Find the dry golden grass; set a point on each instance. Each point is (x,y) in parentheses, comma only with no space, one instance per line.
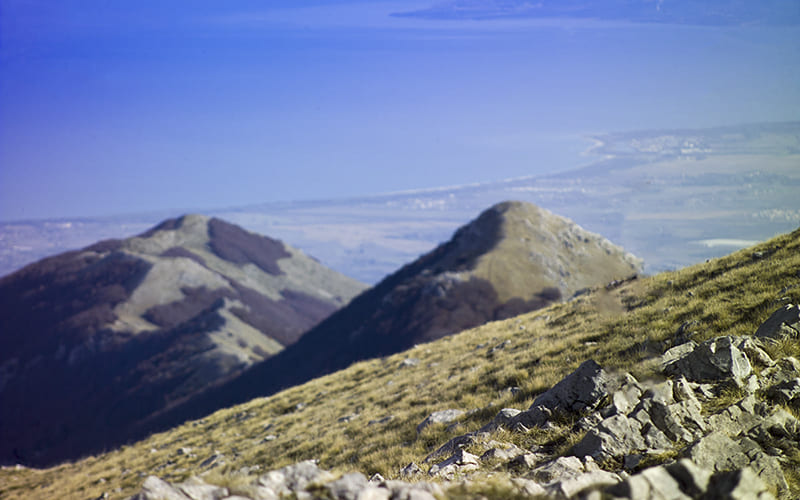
(623,329)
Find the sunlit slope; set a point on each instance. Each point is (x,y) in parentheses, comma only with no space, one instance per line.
(622,327)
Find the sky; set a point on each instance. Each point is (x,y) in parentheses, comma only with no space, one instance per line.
(112,107)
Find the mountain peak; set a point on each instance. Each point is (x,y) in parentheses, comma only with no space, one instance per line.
(513,258)
(133,326)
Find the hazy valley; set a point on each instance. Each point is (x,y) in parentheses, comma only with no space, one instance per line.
(672,197)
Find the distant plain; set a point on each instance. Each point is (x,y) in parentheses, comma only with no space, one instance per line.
(671,197)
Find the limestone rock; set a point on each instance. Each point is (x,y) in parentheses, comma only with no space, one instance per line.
(613,437)
(455,444)
(785,392)
(582,390)
(754,352)
(559,468)
(720,453)
(354,486)
(783,323)
(742,484)
(713,360)
(460,462)
(569,487)
(505,418)
(676,353)
(158,489)
(410,471)
(292,478)
(440,417)
(528,487)
(784,369)
(501,451)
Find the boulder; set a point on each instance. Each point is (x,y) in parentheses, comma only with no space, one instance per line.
(714,360)
(676,353)
(582,390)
(783,323)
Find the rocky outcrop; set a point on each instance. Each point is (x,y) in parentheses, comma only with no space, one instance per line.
(714,428)
(303,481)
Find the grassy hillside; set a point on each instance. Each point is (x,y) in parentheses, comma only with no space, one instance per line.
(623,327)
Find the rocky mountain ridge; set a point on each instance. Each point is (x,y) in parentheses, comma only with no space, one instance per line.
(738,451)
(513,258)
(380,415)
(113,333)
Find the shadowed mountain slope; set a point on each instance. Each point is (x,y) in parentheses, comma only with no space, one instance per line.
(514,258)
(94,340)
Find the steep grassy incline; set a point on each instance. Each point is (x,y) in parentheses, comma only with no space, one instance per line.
(365,417)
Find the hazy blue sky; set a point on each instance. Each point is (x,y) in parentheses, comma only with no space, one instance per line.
(124,106)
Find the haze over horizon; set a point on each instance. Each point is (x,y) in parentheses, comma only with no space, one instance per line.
(127,107)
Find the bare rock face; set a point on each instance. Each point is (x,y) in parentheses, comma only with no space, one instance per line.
(131,327)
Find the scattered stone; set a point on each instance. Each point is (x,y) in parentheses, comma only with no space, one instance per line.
(720,453)
(570,487)
(214,460)
(158,489)
(381,421)
(409,362)
(410,471)
(501,452)
(440,417)
(526,461)
(498,347)
(452,446)
(459,463)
